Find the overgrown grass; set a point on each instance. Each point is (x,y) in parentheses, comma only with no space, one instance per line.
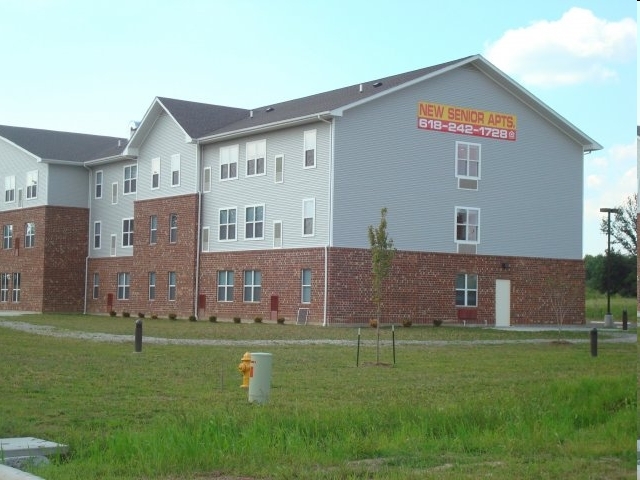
(596,306)
(454,411)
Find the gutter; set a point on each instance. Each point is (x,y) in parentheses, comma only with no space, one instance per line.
(198,227)
(86,258)
(330,221)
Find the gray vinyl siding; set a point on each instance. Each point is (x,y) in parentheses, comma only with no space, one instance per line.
(282,201)
(16,162)
(530,192)
(67,186)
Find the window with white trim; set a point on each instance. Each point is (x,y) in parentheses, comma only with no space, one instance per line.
(114,193)
(155,173)
(10,189)
(206,180)
(127,232)
(279,169)
(173,281)
(308,217)
(227,224)
(173,228)
(130,179)
(467,225)
(7,237)
(98,185)
(225,286)
(175,170)
(15,293)
(468,165)
(256,153)
(205,239)
(114,240)
(4,286)
(32,184)
(254,222)
(310,149)
(229,162)
(466,290)
(97,235)
(306,285)
(277,234)
(153,229)
(96,285)
(29,235)
(124,286)
(252,285)
(152,285)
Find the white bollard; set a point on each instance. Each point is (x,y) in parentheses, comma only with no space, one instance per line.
(260,377)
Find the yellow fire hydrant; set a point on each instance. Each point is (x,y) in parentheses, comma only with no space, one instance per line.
(245,369)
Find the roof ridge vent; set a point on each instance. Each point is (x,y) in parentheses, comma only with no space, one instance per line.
(269,109)
(377,84)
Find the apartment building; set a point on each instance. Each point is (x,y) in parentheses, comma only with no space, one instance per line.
(212,210)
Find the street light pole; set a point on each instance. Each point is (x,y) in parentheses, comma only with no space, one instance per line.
(608,318)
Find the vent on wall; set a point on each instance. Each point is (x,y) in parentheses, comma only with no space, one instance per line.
(468,184)
(467,248)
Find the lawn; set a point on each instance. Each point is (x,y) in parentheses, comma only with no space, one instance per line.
(446,411)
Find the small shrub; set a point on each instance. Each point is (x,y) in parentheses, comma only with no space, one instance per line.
(281,320)
(213,319)
(437,323)
(374,323)
(154,316)
(258,320)
(140,315)
(113,313)
(192,318)
(126,314)
(173,316)
(236,319)
(406,322)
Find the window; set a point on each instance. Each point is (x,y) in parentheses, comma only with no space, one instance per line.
(256,152)
(205,239)
(466,290)
(113,245)
(10,189)
(277,234)
(175,170)
(96,285)
(254,222)
(206,180)
(127,232)
(29,235)
(467,225)
(124,286)
(310,149)
(4,287)
(114,193)
(32,184)
(130,179)
(306,285)
(468,165)
(173,228)
(227,229)
(225,286)
(229,162)
(152,285)
(308,217)
(155,173)
(153,229)
(7,236)
(97,235)
(172,286)
(252,285)
(279,169)
(15,294)
(99,176)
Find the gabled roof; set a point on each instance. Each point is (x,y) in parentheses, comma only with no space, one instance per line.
(51,145)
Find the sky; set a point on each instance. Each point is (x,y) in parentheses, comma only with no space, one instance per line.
(95,66)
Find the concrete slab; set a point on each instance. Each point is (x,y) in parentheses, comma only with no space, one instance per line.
(29,447)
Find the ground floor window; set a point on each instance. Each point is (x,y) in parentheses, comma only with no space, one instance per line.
(225,286)
(152,285)
(306,285)
(466,290)
(4,286)
(172,285)
(124,286)
(15,294)
(252,285)
(96,285)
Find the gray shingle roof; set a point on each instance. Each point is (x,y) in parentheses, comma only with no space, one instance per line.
(64,146)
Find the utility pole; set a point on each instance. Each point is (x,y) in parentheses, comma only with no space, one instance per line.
(608,318)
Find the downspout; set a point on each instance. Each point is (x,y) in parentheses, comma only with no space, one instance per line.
(330,221)
(198,227)
(86,258)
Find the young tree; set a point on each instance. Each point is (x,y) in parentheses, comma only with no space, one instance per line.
(623,226)
(382,253)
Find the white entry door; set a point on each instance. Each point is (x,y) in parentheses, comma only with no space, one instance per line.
(503,303)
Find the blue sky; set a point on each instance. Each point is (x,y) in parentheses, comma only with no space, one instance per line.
(92,67)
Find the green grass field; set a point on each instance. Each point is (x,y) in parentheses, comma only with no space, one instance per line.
(453,411)
(596,306)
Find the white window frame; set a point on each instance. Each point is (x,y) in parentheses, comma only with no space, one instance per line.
(155,173)
(114,193)
(206,180)
(172,281)
(7,236)
(97,235)
(153,229)
(256,154)
(205,239)
(254,223)
(15,291)
(130,180)
(175,170)
(466,289)
(5,279)
(277,228)
(229,156)
(127,233)
(467,146)
(29,235)
(152,286)
(252,289)
(305,286)
(310,145)
(309,207)
(278,174)
(173,228)
(96,285)
(32,184)
(234,224)
(124,286)
(225,286)
(10,189)
(113,251)
(98,184)
(471,229)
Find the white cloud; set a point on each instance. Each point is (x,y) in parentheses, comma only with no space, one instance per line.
(577,48)
(594,181)
(623,153)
